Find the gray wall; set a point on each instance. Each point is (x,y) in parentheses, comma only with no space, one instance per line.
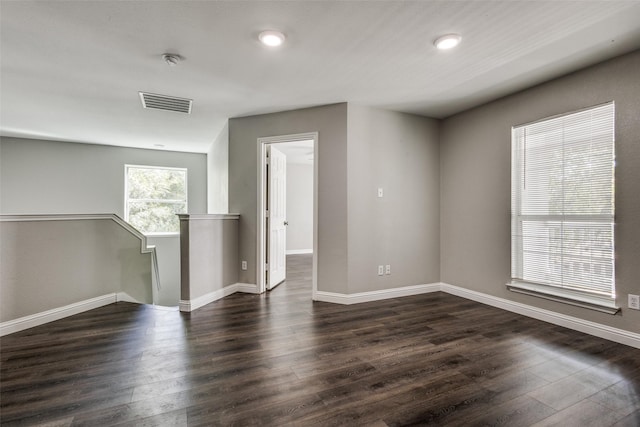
(168,269)
(218,173)
(475,183)
(208,256)
(331,124)
(47,177)
(49,264)
(299,206)
(360,148)
(399,153)
(44,177)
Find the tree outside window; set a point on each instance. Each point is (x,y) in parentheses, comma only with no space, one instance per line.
(153,197)
(563,201)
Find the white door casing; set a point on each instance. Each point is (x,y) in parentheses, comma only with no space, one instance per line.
(261,235)
(277,217)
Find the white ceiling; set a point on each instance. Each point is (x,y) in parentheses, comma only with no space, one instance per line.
(72,70)
(297,152)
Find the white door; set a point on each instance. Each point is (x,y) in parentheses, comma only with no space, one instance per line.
(277,217)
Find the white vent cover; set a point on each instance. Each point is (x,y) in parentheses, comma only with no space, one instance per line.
(164,102)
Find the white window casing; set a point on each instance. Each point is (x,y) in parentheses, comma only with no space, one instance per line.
(562,208)
(153,197)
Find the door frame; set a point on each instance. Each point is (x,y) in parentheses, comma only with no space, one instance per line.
(261,219)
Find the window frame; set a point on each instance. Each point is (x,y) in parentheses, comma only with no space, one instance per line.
(175,201)
(559,293)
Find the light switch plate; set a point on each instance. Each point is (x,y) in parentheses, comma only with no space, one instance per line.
(380,270)
(380,192)
(634,301)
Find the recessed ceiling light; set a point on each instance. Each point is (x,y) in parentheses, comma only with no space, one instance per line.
(447,41)
(271,38)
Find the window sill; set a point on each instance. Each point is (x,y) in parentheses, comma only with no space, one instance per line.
(602,304)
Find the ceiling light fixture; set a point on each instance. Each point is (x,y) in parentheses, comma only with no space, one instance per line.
(171,59)
(447,41)
(271,38)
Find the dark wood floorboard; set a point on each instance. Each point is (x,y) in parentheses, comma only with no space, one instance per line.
(280,359)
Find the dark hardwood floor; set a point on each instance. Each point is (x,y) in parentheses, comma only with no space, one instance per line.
(280,359)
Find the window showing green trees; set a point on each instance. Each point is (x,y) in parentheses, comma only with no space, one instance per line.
(563,201)
(154,196)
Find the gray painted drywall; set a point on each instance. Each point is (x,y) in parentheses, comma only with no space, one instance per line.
(331,124)
(218,173)
(475,183)
(46,177)
(50,264)
(299,206)
(168,268)
(360,148)
(209,256)
(399,153)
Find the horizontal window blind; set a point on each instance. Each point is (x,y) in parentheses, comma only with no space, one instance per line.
(563,201)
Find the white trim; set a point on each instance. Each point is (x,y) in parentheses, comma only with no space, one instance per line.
(382,294)
(144,248)
(125,297)
(299,251)
(194,304)
(184,306)
(197,217)
(41,318)
(260,240)
(592,328)
(601,304)
(247,288)
(161,235)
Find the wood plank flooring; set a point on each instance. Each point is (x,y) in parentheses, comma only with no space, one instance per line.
(280,359)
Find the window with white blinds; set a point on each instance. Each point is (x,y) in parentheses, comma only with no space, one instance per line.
(562,202)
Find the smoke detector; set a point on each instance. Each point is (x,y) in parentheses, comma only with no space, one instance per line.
(171,59)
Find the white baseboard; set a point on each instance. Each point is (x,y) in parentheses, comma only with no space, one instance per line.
(194,304)
(299,251)
(247,288)
(125,297)
(38,319)
(382,294)
(592,328)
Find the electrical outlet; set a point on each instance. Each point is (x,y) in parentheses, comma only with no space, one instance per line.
(387,269)
(380,270)
(634,301)
(244,265)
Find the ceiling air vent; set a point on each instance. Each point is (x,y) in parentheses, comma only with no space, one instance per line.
(164,102)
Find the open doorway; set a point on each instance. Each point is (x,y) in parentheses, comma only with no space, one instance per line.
(300,151)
